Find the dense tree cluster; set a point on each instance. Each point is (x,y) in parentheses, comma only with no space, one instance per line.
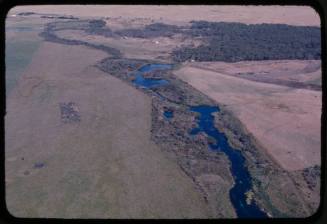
(97,23)
(26,13)
(236,42)
(311,176)
(58,17)
(151,31)
(98,27)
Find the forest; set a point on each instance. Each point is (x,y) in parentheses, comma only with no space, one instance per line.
(233,42)
(221,41)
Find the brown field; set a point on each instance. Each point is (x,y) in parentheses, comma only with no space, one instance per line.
(293,15)
(272,71)
(286,121)
(104,166)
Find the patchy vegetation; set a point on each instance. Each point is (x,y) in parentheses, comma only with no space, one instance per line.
(268,178)
(26,13)
(97,27)
(208,170)
(69,112)
(311,176)
(88,26)
(230,42)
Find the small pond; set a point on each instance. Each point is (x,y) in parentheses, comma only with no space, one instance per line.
(168,114)
(150,82)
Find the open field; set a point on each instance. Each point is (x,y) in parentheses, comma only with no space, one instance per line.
(20,47)
(284,120)
(102,166)
(293,15)
(149,48)
(293,73)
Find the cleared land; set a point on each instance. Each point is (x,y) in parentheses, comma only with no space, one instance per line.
(103,166)
(304,74)
(129,47)
(140,48)
(286,121)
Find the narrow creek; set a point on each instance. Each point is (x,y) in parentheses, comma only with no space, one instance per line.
(244,207)
(242,178)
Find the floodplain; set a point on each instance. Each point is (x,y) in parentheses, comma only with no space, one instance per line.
(99,114)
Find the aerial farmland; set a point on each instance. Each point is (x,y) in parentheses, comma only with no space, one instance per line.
(148,112)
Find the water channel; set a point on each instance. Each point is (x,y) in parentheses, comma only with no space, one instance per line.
(243,183)
(241,175)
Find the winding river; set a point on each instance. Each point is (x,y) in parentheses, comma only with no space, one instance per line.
(242,178)
(244,207)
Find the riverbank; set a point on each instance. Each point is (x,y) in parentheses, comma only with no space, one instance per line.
(175,138)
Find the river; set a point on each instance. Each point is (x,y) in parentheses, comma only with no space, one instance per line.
(245,208)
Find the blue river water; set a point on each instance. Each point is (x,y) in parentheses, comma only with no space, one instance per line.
(150,82)
(168,114)
(240,173)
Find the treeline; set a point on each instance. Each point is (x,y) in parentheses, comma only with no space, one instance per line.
(151,31)
(236,42)
(58,17)
(98,27)
(222,41)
